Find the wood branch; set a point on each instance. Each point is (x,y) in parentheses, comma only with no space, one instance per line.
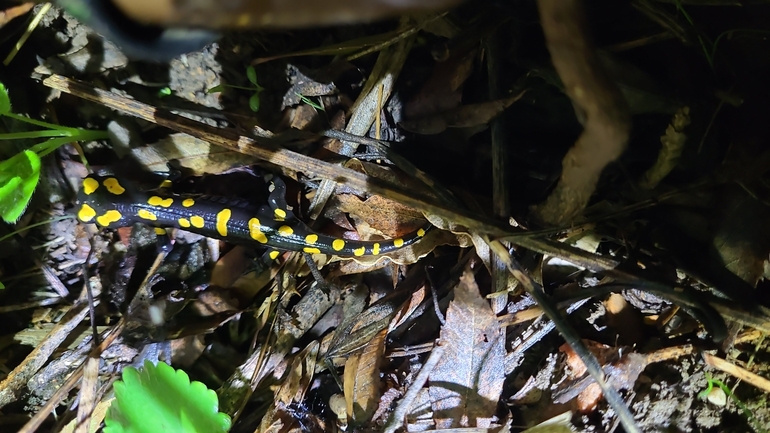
(607,120)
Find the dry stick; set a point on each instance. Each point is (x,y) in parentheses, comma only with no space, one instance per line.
(570,336)
(607,120)
(396,418)
(88,394)
(736,371)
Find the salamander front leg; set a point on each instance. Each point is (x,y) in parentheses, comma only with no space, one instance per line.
(277,198)
(277,201)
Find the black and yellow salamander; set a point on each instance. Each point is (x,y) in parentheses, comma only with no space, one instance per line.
(111,203)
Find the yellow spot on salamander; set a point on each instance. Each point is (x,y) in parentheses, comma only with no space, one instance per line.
(285,231)
(311,238)
(398,243)
(310,250)
(255,231)
(274,254)
(280,214)
(144,213)
(159,231)
(90,185)
(197,221)
(183,222)
(109,217)
(166,183)
(158,201)
(376,249)
(222,218)
(338,244)
(359,251)
(114,186)
(86,213)
(421,232)
(188,202)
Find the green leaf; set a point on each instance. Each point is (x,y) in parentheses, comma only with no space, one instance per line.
(216,89)
(165,91)
(5,100)
(254,102)
(251,74)
(161,399)
(19,176)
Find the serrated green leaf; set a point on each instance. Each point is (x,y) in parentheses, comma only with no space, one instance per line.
(254,102)
(251,74)
(19,176)
(159,398)
(5,100)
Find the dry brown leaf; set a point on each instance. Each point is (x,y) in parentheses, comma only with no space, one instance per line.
(622,372)
(468,380)
(281,416)
(354,334)
(382,216)
(300,375)
(362,379)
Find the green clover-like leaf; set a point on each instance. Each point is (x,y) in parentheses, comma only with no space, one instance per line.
(19,176)
(159,399)
(254,102)
(251,74)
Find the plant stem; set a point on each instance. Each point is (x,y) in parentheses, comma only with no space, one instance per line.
(34,134)
(39,123)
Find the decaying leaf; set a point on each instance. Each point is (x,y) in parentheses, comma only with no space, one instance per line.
(281,416)
(466,384)
(362,379)
(622,368)
(382,216)
(354,334)
(300,374)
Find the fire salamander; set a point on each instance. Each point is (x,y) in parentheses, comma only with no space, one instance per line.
(111,203)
